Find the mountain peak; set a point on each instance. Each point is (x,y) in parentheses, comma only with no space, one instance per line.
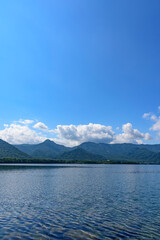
(48,141)
(47,149)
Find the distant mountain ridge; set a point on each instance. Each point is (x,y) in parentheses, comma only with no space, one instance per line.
(88,151)
(122,152)
(47,149)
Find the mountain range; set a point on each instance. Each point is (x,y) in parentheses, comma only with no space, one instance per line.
(88,151)
(94,151)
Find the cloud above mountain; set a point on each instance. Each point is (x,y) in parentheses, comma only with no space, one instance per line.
(41,126)
(30,131)
(18,134)
(73,135)
(130,135)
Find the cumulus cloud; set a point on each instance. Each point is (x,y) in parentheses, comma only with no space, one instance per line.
(41,126)
(130,135)
(74,135)
(18,134)
(25,131)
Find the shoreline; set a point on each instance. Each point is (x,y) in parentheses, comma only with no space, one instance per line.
(55,161)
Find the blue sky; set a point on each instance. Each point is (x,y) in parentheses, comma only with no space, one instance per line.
(77,62)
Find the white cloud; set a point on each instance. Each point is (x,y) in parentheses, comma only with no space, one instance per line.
(23,131)
(25,122)
(150,116)
(146,115)
(41,126)
(74,135)
(131,135)
(156,126)
(153,117)
(18,134)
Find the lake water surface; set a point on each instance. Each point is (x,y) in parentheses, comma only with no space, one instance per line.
(79,202)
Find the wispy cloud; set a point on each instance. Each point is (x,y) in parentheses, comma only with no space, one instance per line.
(156,119)
(24,121)
(146,115)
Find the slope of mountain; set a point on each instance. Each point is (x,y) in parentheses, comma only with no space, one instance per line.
(108,150)
(153,148)
(9,151)
(122,152)
(47,149)
(80,154)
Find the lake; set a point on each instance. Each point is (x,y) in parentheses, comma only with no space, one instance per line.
(79,201)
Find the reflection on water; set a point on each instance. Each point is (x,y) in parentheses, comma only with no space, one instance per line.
(79,202)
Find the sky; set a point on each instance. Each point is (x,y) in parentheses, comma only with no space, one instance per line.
(80,70)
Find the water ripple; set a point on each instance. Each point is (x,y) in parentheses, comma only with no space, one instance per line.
(80,203)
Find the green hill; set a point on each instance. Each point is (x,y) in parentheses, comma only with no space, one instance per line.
(123,152)
(47,149)
(9,151)
(80,154)
(151,147)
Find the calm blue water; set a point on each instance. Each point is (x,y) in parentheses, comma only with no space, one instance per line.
(80,202)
